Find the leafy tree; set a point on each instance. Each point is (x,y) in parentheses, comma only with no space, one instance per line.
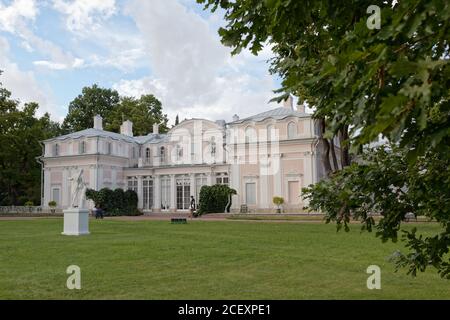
(20,133)
(143,112)
(92,101)
(365,83)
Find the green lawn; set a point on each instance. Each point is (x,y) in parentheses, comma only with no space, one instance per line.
(202,260)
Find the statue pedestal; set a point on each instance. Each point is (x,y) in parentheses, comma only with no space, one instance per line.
(76,222)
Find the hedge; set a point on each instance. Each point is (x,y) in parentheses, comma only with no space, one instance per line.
(214,199)
(115,202)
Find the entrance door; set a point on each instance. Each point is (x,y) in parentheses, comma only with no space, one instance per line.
(294,192)
(250,193)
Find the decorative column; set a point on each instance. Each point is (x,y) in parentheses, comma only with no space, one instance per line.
(157,193)
(173,193)
(140,188)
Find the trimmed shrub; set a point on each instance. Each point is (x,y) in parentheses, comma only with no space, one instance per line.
(52,204)
(115,202)
(29,204)
(215,199)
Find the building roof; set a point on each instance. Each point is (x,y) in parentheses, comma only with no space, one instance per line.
(277,114)
(91,132)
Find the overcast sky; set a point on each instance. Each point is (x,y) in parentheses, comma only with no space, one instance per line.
(50,49)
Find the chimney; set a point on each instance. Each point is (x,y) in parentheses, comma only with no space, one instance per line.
(98,122)
(301,107)
(155,128)
(235,117)
(127,128)
(289,103)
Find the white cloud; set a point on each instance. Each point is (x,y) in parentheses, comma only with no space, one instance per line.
(23,84)
(84,15)
(15,19)
(13,15)
(192,72)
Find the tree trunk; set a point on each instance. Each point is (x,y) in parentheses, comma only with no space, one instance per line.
(333,155)
(344,144)
(326,148)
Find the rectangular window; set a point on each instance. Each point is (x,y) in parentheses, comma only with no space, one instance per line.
(250,193)
(133,184)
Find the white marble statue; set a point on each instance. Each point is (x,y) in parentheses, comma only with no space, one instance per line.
(78,188)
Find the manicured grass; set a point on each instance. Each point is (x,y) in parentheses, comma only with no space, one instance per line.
(203,260)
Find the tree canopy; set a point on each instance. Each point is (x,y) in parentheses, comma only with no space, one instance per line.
(114,109)
(20,133)
(92,101)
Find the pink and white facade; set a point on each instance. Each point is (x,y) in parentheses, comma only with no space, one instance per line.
(274,153)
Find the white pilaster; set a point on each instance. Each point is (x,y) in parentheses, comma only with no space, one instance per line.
(157,192)
(140,188)
(47,190)
(173,192)
(277,178)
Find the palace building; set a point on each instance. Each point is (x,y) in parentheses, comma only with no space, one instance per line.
(274,153)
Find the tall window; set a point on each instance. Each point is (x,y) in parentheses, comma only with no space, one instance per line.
(165,193)
(147,192)
(162,154)
(179,152)
(56,150)
(132,184)
(108,148)
(213,148)
(183,193)
(147,155)
(82,147)
(292,130)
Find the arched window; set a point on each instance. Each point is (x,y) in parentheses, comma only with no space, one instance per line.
(292,130)
(250,135)
(270,133)
(108,148)
(147,154)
